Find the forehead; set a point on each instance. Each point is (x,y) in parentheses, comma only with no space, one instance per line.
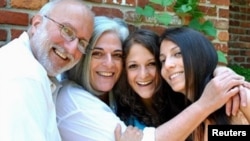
(138,51)
(167,45)
(109,41)
(75,15)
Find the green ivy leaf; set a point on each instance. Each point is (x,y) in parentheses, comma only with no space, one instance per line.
(147,11)
(208,28)
(221,57)
(164,18)
(195,24)
(139,10)
(162,2)
(184,9)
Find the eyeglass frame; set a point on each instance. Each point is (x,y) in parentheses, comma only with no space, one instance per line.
(67,37)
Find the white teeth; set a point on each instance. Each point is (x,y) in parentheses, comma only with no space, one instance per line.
(144,83)
(175,75)
(60,54)
(106,73)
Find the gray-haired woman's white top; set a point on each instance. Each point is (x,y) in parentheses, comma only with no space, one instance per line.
(83,117)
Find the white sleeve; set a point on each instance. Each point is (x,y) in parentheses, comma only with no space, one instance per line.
(148,134)
(83,117)
(27,111)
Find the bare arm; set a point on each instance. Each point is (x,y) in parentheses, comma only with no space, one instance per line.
(216,93)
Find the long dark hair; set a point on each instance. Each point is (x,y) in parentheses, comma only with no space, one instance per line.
(128,102)
(200,60)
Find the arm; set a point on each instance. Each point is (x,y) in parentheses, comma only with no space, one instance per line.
(234,103)
(82,116)
(216,93)
(27,111)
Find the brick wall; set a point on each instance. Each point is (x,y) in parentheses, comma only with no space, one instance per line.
(16,14)
(239,44)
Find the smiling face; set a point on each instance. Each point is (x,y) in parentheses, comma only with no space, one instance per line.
(172,65)
(106,62)
(141,71)
(49,47)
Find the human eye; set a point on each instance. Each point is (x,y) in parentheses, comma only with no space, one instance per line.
(153,63)
(68,33)
(132,66)
(97,54)
(178,54)
(162,59)
(117,56)
(83,43)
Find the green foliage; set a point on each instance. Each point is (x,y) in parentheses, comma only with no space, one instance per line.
(182,8)
(221,58)
(205,27)
(163,18)
(147,11)
(162,2)
(241,71)
(237,68)
(188,7)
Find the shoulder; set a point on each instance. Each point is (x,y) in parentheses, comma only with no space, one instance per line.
(74,95)
(17,59)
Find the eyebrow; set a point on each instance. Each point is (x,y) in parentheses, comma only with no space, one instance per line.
(100,48)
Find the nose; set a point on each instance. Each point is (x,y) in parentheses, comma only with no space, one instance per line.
(108,60)
(144,72)
(169,63)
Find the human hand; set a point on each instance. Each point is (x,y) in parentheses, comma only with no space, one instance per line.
(234,103)
(222,87)
(130,134)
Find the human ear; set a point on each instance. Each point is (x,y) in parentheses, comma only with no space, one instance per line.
(36,21)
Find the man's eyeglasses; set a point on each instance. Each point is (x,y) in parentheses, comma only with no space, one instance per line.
(69,34)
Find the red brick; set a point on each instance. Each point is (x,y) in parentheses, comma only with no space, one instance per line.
(110,12)
(3,3)
(131,2)
(142,3)
(245,24)
(234,8)
(233,52)
(207,10)
(233,22)
(28,4)
(223,36)
(222,47)
(3,35)
(239,59)
(157,29)
(14,18)
(224,13)
(15,33)
(220,2)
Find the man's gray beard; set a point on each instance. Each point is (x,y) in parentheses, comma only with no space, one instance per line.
(40,47)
